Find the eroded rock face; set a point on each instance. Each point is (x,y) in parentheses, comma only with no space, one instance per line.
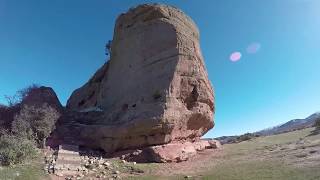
(154,90)
(41,95)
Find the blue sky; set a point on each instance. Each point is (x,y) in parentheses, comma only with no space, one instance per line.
(61,44)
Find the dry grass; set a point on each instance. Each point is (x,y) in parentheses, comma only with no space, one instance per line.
(30,171)
(289,156)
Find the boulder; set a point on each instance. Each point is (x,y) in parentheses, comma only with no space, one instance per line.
(172,152)
(154,90)
(177,152)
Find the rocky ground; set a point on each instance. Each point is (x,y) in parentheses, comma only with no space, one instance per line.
(68,162)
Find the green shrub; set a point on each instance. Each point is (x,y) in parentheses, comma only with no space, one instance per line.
(14,105)
(14,149)
(35,122)
(22,128)
(108,48)
(245,137)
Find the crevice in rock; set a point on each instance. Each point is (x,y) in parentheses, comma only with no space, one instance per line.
(168,58)
(91,95)
(81,103)
(192,98)
(125,107)
(129,25)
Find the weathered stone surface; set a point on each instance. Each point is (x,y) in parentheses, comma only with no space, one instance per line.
(68,160)
(172,152)
(154,90)
(38,96)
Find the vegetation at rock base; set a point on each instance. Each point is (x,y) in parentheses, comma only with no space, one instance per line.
(24,127)
(15,149)
(32,170)
(35,123)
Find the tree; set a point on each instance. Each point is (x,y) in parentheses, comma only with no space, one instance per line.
(12,100)
(108,48)
(22,128)
(14,150)
(24,93)
(35,122)
(20,95)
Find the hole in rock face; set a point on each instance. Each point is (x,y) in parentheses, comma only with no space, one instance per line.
(129,25)
(192,98)
(81,103)
(134,105)
(125,107)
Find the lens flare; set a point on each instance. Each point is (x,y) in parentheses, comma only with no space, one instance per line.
(253,48)
(235,56)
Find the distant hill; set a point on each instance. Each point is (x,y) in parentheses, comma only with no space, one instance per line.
(292,125)
(289,126)
(227,139)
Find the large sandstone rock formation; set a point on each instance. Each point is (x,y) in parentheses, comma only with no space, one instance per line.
(154,89)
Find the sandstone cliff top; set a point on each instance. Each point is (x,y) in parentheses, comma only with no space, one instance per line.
(148,13)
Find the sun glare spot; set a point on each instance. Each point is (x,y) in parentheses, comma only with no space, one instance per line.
(235,56)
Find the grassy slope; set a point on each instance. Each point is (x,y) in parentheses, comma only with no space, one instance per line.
(264,158)
(31,171)
(259,159)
